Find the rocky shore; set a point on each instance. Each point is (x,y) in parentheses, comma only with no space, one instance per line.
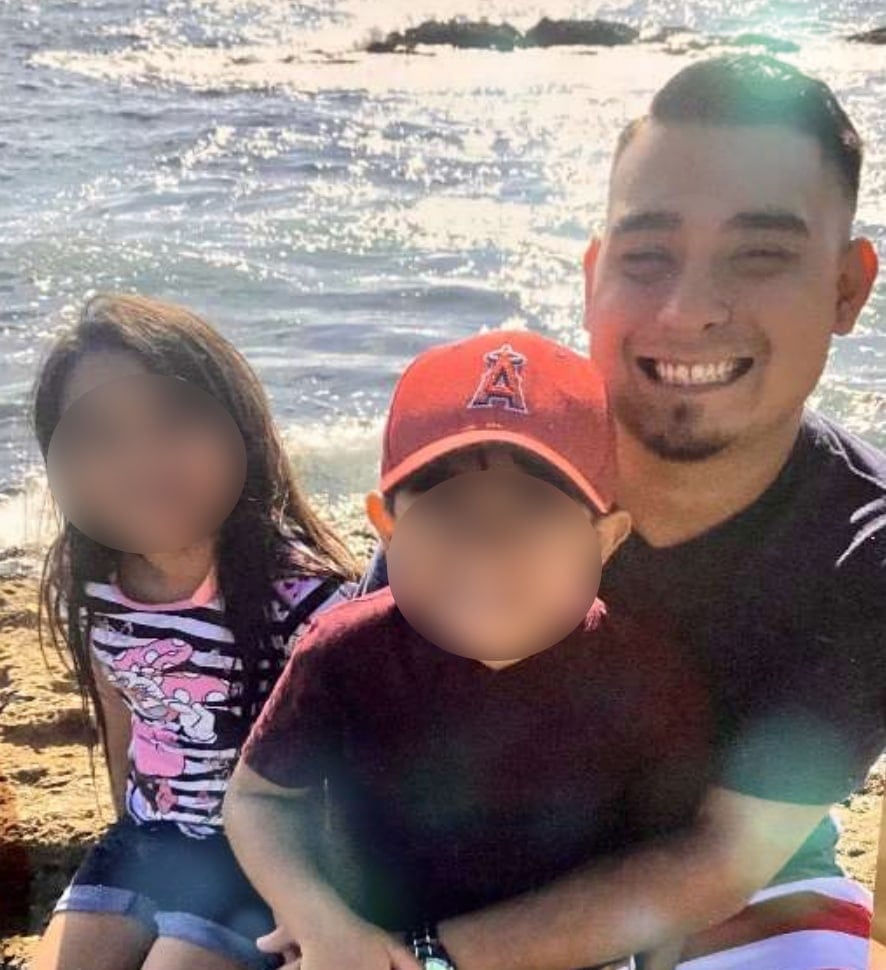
(548,32)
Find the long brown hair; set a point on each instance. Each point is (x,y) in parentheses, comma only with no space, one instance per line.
(255,544)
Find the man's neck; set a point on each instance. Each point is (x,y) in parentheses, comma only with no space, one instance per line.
(672,502)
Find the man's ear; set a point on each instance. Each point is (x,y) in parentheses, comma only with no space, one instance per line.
(379,517)
(857,275)
(612,529)
(589,262)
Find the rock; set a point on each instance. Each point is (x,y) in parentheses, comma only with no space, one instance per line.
(470,34)
(392,42)
(680,45)
(665,34)
(26,618)
(875,36)
(27,776)
(11,551)
(593,33)
(17,562)
(68,725)
(678,40)
(455,33)
(775,45)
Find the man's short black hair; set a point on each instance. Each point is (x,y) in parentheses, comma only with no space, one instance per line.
(756,89)
(442,469)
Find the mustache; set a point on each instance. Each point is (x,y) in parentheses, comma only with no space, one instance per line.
(699,351)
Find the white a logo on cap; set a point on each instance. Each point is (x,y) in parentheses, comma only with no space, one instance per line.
(501,382)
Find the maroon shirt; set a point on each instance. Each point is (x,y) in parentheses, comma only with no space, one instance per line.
(452,785)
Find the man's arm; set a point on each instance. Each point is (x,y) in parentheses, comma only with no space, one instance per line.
(270,810)
(675,887)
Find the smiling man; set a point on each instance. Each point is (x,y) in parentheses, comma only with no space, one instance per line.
(726,267)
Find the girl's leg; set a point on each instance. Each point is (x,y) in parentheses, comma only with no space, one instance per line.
(99,941)
(186,941)
(171,954)
(207,914)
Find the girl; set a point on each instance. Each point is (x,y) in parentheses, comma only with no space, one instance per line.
(174,650)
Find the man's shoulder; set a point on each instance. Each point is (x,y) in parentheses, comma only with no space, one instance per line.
(844,455)
(849,485)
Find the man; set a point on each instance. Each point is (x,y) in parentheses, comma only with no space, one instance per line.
(726,265)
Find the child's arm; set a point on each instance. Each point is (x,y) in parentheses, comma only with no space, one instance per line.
(269,830)
(270,814)
(118,725)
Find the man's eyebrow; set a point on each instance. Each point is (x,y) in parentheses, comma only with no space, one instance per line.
(779,220)
(647,220)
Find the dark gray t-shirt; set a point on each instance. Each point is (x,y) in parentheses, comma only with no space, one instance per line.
(783,606)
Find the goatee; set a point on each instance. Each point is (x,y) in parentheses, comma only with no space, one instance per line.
(669,435)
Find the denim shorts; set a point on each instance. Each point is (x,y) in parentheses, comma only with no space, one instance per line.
(177,886)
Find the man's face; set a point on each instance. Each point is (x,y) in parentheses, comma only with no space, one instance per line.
(717,284)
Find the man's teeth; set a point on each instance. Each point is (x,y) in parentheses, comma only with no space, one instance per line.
(687,375)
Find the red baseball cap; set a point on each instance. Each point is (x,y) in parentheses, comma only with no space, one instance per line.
(508,387)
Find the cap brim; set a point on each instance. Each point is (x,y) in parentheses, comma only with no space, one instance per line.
(445,446)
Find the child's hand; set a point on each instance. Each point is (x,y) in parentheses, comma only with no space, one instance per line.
(357,948)
(279,940)
(353,944)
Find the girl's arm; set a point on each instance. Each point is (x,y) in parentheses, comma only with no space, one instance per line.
(118,723)
(268,828)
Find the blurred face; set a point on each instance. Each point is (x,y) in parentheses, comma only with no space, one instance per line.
(725,268)
(493,564)
(140,462)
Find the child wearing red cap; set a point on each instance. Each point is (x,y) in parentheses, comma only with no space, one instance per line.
(482,725)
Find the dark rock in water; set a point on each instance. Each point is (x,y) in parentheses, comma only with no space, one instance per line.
(775,45)
(392,42)
(664,34)
(678,45)
(481,34)
(595,33)
(470,34)
(875,36)
(678,40)
(454,33)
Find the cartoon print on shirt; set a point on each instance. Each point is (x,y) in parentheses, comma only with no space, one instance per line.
(150,796)
(172,706)
(182,677)
(290,593)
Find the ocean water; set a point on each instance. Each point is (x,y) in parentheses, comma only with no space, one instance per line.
(334,212)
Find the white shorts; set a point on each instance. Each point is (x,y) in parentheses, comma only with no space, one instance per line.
(811,924)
